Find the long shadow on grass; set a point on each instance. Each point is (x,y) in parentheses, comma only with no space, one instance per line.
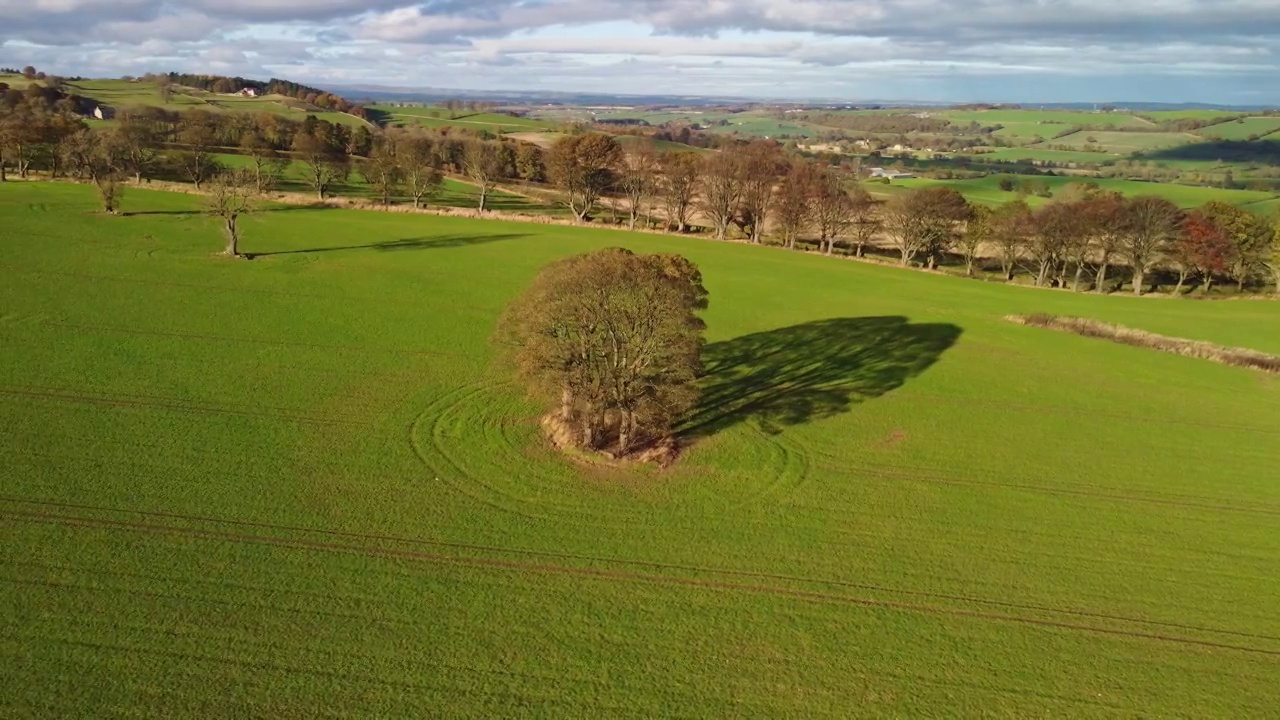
(438,242)
(816,370)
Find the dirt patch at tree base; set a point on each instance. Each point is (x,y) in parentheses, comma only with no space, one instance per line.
(563,437)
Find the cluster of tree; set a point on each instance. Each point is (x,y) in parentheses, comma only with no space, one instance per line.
(896,123)
(275,86)
(1085,235)
(614,340)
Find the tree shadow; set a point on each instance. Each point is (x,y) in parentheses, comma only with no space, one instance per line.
(807,372)
(1259,151)
(439,242)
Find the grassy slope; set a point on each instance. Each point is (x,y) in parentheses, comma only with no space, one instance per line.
(1025,524)
(1242,129)
(987,189)
(126,93)
(440,117)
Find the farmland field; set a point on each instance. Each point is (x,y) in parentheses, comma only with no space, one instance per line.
(302,486)
(440,117)
(1242,129)
(987,189)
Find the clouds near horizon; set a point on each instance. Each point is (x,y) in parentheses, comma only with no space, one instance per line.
(999,50)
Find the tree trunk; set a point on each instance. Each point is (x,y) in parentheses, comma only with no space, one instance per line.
(1139,279)
(484,197)
(861,249)
(3,176)
(1208,283)
(933,261)
(1182,280)
(968,266)
(906,258)
(624,433)
(1043,275)
(1100,284)
(1075,285)
(233,238)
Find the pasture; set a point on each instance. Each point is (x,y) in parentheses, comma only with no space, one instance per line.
(432,117)
(1243,128)
(301,485)
(987,190)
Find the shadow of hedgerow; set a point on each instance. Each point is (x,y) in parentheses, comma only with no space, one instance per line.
(802,373)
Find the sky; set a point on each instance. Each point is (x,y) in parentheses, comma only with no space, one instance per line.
(1213,51)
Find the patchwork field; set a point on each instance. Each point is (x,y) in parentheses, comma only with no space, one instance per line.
(440,117)
(1243,129)
(987,190)
(301,486)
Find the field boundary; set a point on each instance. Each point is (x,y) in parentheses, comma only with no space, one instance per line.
(1226,355)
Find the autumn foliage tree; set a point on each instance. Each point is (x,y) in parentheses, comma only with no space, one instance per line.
(1201,248)
(615,341)
(925,222)
(584,167)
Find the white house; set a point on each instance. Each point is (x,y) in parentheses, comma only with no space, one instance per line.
(249,92)
(890,174)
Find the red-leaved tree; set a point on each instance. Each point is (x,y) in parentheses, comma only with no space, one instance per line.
(1202,248)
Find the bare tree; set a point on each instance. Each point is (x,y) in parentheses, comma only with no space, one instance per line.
(978,232)
(638,179)
(1054,229)
(678,186)
(419,164)
(1010,227)
(198,136)
(762,163)
(864,220)
(382,169)
(484,163)
(793,203)
(584,167)
(325,164)
(721,190)
(1151,225)
(231,196)
(266,163)
(99,160)
(832,209)
(1103,216)
(925,221)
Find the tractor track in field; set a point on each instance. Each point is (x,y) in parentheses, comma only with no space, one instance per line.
(1049,410)
(252,341)
(1270,511)
(140,402)
(169,283)
(65,520)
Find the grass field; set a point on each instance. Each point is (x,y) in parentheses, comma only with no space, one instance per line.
(1242,129)
(300,486)
(1038,154)
(129,93)
(452,194)
(987,190)
(432,117)
(1124,143)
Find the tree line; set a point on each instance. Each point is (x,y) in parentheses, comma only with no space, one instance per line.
(750,189)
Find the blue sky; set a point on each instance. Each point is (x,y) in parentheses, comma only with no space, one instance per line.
(1223,51)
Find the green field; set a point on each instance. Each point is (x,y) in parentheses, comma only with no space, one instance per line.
(301,486)
(138,93)
(1124,143)
(987,189)
(1038,154)
(432,117)
(453,193)
(1242,129)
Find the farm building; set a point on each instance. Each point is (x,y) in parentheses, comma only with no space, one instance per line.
(249,92)
(890,174)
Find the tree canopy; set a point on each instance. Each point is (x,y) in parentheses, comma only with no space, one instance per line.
(615,340)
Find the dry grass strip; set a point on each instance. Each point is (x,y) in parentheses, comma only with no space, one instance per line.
(1240,357)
